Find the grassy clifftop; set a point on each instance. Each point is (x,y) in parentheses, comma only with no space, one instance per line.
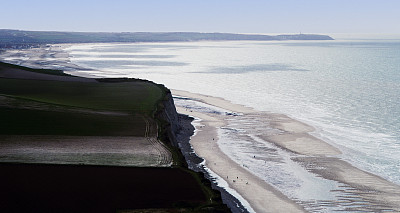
(137,96)
(36,106)
(92,144)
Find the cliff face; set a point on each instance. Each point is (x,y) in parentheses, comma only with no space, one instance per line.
(177,130)
(170,120)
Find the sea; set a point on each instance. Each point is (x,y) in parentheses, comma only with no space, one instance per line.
(348,89)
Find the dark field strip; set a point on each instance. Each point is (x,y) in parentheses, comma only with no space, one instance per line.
(44,122)
(64,188)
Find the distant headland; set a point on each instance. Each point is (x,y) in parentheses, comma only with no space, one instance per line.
(22,39)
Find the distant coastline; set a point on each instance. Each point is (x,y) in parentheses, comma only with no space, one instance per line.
(27,39)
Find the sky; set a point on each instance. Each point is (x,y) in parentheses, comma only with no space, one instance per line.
(233,16)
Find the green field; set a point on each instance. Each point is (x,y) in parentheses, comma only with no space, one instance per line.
(77,108)
(4,66)
(42,122)
(136,97)
(105,107)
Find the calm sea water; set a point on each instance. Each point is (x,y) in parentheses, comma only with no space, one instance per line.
(348,89)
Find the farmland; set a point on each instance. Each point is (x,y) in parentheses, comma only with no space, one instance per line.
(65,140)
(55,110)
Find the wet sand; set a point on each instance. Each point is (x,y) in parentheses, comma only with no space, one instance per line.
(363,191)
(261,196)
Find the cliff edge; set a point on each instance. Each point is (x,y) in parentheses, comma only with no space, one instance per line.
(168,119)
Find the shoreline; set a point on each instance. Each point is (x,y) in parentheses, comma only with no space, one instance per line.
(362,191)
(260,195)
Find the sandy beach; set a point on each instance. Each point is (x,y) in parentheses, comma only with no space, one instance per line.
(363,191)
(261,196)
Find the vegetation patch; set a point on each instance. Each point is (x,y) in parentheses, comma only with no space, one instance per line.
(16,121)
(4,66)
(136,97)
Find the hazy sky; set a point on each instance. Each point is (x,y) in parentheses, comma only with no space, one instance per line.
(240,16)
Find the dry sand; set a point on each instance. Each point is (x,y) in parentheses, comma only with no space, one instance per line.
(363,192)
(261,196)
